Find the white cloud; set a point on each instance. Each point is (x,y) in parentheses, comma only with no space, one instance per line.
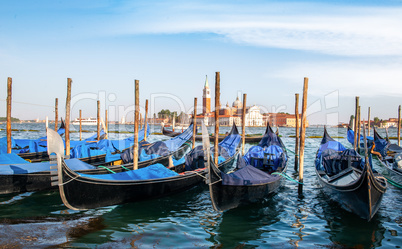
(349,77)
(323,28)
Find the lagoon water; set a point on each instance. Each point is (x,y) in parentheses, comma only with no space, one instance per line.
(187,220)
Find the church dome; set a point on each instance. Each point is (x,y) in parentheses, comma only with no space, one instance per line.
(237,103)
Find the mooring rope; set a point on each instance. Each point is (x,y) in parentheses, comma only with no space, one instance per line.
(107,169)
(287,177)
(291,151)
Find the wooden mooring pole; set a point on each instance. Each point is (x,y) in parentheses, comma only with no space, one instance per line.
(80,125)
(303,134)
(297,132)
(368,130)
(358,128)
(194,122)
(217,107)
(67,119)
(8,125)
(355,124)
(56,113)
(136,114)
(146,120)
(399,125)
(106,125)
(98,120)
(243,125)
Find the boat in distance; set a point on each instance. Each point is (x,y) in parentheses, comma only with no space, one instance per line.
(85,121)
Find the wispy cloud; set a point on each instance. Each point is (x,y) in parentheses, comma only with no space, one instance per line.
(322,28)
(349,77)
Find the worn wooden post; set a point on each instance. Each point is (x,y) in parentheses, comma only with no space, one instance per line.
(303,134)
(368,133)
(297,132)
(56,113)
(67,119)
(355,141)
(399,125)
(173,121)
(194,122)
(243,124)
(106,125)
(217,107)
(136,114)
(8,125)
(80,125)
(98,120)
(146,120)
(358,128)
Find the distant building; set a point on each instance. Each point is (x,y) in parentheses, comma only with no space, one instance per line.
(282,119)
(206,98)
(392,122)
(229,114)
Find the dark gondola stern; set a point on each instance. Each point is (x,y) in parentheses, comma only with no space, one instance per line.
(377,185)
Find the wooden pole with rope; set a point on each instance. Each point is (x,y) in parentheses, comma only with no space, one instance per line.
(136,114)
(8,124)
(243,125)
(194,122)
(297,132)
(217,107)
(303,135)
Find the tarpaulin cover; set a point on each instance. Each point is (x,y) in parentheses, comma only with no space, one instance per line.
(276,155)
(195,158)
(351,139)
(123,144)
(246,176)
(148,151)
(226,149)
(3,144)
(12,169)
(27,145)
(11,158)
(381,145)
(154,171)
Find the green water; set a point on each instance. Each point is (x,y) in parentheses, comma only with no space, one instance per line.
(187,220)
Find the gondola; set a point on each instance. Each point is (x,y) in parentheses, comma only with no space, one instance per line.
(18,177)
(390,156)
(351,138)
(82,191)
(347,179)
(248,138)
(257,174)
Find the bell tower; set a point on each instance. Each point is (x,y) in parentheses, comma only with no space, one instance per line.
(206,97)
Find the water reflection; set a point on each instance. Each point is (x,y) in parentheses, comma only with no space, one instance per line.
(244,226)
(347,230)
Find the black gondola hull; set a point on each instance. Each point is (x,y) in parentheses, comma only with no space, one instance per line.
(85,193)
(228,197)
(19,183)
(363,197)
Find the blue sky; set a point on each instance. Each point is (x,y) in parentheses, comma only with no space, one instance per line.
(262,48)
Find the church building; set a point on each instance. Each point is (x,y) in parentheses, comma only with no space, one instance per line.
(228,115)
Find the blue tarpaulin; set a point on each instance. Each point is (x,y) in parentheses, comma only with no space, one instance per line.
(154,171)
(26,168)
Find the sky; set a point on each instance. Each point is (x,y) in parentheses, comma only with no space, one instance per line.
(262,48)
